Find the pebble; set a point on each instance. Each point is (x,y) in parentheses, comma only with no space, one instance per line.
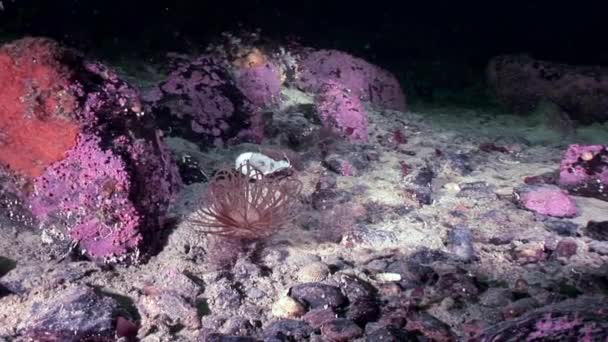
(452,187)
(287,307)
(388,277)
(318,295)
(363,311)
(519,307)
(460,243)
(313,272)
(566,248)
(599,247)
(531,252)
(562,228)
(341,329)
(288,330)
(597,230)
(496,297)
(318,317)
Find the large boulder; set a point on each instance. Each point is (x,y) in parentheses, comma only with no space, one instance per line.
(367,82)
(209,102)
(521,83)
(82,154)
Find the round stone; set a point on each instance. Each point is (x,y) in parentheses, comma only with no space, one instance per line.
(287,307)
(313,272)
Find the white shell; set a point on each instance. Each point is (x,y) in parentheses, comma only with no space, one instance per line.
(261,162)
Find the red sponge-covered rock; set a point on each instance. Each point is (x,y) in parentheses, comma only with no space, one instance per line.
(86,159)
(36,106)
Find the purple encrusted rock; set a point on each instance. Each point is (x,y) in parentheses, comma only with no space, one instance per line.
(261,84)
(366,82)
(548,200)
(584,170)
(342,111)
(201,101)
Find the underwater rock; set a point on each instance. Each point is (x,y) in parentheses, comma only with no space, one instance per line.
(162,308)
(79,314)
(363,80)
(287,307)
(20,281)
(495,297)
(261,84)
(584,171)
(317,317)
(341,111)
(521,83)
(341,329)
(566,248)
(388,334)
(201,101)
(460,243)
(547,200)
(363,310)
(581,319)
(98,173)
(318,295)
(429,326)
(290,329)
(215,337)
(563,228)
(597,230)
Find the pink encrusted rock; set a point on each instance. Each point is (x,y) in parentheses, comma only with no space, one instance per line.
(584,170)
(342,112)
(261,84)
(365,81)
(548,200)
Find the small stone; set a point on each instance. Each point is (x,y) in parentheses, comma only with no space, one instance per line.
(163,307)
(460,243)
(504,192)
(215,337)
(519,307)
(388,334)
(597,230)
(477,191)
(318,295)
(429,326)
(318,317)
(547,200)
(452,187)
(388,277)
(289,329)
(341,329)
(287,307)
(496,297)
(363,311)
(313,272)
(599,247)
(562,228)
(531,252)
(355,288)
(566,248)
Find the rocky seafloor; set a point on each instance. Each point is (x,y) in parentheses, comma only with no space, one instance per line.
(417,234)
